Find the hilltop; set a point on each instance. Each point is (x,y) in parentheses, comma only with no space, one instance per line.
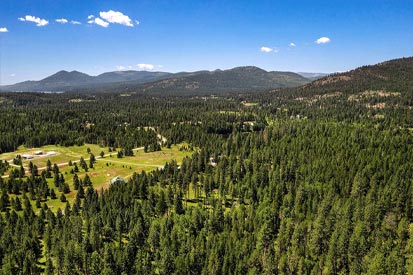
(392,75)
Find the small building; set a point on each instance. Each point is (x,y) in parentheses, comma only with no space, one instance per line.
(117,179)
(212,162)
(27,156)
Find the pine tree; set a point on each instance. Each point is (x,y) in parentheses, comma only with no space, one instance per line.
(53,194)
(63,198)
(161,205)
(179,209)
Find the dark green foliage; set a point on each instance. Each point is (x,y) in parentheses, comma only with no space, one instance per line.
(4,166)
(87,181)
(128,151)
(120,154)
(17,204)
(52,194)
(76,182)
(152,147)
(4,200)
(312,185)
(63,198)
(161,205)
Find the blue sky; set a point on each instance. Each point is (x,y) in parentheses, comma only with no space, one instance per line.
(181,35)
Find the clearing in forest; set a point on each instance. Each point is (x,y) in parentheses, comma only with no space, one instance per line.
(104,169)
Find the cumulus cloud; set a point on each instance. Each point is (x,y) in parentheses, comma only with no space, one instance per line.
(266,49)
(75,22)
(323,40)
(143,66)
(4,30)
(106,18)
(62,21)
(39,21)
(116,17)
(99,22)
(292,44)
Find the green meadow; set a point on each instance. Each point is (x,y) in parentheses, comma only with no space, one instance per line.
(104,169)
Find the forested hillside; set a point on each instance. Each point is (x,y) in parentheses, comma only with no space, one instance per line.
(250,79)
(311,180)
(238,79)
(394,75)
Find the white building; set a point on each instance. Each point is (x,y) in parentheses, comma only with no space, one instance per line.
(117,179)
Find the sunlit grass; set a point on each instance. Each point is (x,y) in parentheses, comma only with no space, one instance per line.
(104,169)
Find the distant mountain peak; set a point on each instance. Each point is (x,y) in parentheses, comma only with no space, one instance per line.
(62,72)
(247,69)
(312,76)
(66,78)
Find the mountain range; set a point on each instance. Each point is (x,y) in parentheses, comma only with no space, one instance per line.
(237,79)
(66,81)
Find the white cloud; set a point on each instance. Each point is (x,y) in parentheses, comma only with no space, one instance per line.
(123,68)
(266,49)
(4,30)
(62,21)
(13,75)
(323,40)
(90,16)
(99,22)
(116,17)
(39,21)
(292,44)
(75,22)
(137,22)
(143,66)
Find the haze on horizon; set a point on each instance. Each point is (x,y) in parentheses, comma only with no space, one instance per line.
(40,37)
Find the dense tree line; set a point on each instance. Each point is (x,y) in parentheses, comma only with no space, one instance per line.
(109,120)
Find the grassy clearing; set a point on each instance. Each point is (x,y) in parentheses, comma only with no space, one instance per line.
(104,168)
(249,104)
(63,154)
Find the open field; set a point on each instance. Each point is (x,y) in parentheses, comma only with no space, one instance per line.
(62,154)
(104,169)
